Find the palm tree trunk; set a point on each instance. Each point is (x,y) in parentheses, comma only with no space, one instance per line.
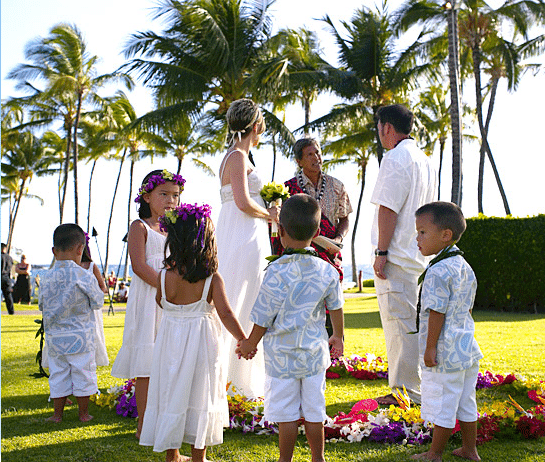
(274,156)
(131,177)
(480,183)
(89,203)
(105,269)
(15,211)
(66,168)
(306,103)
(353,240)
(455,115)
(442,143)
(75,160)
(476,54)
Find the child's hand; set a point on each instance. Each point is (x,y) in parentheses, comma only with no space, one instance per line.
(245,349)
(430,357)
(337,346)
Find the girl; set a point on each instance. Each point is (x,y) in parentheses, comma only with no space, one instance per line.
(187,398)
(101,355)
(160,192)
(243,236)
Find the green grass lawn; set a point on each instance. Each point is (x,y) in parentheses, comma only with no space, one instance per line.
(510,343)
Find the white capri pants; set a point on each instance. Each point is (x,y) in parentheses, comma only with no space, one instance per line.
(74,374)
(287,400)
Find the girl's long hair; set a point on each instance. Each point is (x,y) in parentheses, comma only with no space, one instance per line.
(192,245)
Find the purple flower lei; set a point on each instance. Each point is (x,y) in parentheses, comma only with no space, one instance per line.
(156,180)
(183,211)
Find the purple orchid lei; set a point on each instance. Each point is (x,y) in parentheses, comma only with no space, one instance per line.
(156,180)
(183,211)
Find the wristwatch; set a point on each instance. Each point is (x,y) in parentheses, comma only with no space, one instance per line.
(381,253)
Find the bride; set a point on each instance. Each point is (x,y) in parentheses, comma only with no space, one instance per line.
(243,238)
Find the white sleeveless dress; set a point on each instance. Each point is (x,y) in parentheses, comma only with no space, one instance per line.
(187,401)
(101,355)
(142,318)
(243,243)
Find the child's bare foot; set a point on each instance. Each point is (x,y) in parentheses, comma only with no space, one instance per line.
(427,456)
(173,455)
(54,419)
(471,455)
(69,402)
(85,417)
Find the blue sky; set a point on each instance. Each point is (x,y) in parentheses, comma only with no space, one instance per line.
(515,133)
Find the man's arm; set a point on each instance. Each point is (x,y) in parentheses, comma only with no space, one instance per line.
(387,221)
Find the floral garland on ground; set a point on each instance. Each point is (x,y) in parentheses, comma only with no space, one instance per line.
(394,425)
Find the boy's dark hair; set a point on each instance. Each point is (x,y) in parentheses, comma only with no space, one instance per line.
(4,246)
(194,254)
(302,144)
(300,217)
(445,215)
(398,115)
(67,236)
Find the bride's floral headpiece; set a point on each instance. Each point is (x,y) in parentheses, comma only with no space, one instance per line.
(182,212)
(156,180)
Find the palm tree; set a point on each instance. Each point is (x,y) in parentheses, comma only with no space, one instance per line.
(204,59)
(372,72)
(62,61)
(25,158)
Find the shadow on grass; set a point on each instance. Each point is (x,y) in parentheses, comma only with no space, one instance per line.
(369,320)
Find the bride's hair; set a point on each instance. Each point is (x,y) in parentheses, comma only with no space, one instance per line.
(241,116)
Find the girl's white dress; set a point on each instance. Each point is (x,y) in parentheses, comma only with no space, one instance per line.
(243,243)
(101,355)
(142,318)
(187,401)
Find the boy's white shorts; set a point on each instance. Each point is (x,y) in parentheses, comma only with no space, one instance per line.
(287,400)
(74,374)
(447,396)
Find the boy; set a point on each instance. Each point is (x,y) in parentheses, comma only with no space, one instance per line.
(449,353)
(290,314)
(68,293)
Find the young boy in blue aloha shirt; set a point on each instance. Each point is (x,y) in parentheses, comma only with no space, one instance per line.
(289,314)
(68,293)
(449,353)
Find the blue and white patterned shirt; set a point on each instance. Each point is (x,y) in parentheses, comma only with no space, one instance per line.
(449,288)
(291,305)
(68,293)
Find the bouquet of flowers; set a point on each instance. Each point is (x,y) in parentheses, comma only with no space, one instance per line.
(274,194)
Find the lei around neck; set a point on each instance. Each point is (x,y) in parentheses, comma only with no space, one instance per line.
(156,180)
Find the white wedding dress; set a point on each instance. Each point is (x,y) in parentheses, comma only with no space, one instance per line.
(243,244)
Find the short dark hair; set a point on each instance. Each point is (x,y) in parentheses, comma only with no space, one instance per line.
(67,236)
(445,215)
(4,246)
(300,216)
(302,144)
(193,251)
(398,115)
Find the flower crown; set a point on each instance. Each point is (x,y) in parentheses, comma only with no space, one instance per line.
(156,180)
(183,211)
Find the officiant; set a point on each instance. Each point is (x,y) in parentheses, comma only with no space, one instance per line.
(331,195)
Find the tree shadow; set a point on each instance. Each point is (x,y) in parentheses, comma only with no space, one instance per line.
(367,320)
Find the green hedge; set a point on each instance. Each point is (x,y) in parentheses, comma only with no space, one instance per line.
(508,257)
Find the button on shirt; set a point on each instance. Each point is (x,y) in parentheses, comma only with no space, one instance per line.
(68,293)
(406,181)
(291,305)
(449,288)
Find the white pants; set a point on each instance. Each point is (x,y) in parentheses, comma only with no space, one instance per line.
(287,400)
(447,396)
(74,374)
(397,297)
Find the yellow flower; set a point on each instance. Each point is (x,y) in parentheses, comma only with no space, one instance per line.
(167,175)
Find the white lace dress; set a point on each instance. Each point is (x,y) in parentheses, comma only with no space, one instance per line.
(142,318)
(187,402)
(243,244)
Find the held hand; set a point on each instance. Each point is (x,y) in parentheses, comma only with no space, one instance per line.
(245,349)
(378,266)
(337,346)
(430,357)
(274,213)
